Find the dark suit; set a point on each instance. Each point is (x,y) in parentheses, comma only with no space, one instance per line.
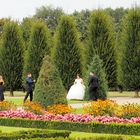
(93,88)
(29,88)
(1,91)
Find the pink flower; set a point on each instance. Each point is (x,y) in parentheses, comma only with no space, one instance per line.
(82,118)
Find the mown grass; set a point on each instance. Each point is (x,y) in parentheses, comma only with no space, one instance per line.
(6,129)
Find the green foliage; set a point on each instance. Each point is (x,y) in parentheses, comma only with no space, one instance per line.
(102,43)
(49,88)
(33,134)
(38,48)
(113,128)
(97,66)
(50,15)
(67,51)
(11,57)
(82,20)
(131,46)
(26,27)
(117,14)
(96,137)
(3,21)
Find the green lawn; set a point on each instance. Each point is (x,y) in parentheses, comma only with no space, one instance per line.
(6,129)
(16,101)
(16,93)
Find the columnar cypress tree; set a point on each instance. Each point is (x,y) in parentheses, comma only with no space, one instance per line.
(49,88)
(96,65)
(67,51)
(11,59)
(131,45)
(102,43)
(39,46)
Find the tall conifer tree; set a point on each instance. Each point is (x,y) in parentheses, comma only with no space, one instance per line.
(102,43)
(67,51)
(11,56)
(39,46)
(131,45)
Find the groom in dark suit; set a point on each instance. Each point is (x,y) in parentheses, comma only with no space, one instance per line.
(29,87)
(93,86)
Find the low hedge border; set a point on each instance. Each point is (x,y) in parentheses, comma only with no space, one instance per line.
(129,129)
(30,134)
(94,138)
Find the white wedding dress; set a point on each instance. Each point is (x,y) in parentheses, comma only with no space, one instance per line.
(77,91)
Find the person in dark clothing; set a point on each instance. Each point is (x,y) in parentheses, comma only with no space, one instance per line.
(93,86)
(29,87)
(1,89)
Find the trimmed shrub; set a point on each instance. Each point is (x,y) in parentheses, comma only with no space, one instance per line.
(97,66)
(33,134)
(67,52)
(95,137)
(129,129)
(49,88)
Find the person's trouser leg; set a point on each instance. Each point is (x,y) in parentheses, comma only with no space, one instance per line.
(31,96)
(95,93)
(90,94)
(26,96)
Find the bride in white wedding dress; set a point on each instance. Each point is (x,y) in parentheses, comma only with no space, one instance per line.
(77,91)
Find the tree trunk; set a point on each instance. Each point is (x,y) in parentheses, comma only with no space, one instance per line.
(136,93)
(11,92)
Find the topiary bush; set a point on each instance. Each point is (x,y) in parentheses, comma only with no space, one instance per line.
(49,88)
(97,66)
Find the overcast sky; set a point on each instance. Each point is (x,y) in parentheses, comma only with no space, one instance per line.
(17,9)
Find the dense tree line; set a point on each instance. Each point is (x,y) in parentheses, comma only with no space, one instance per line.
(72,41)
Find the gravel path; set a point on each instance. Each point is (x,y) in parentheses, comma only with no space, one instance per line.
(119,100)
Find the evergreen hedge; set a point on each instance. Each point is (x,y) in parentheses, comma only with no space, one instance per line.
(112,128)
(97,66)
(30,134)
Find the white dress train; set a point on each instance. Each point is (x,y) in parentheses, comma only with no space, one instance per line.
(77,91)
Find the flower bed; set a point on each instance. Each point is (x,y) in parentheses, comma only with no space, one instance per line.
(67,117)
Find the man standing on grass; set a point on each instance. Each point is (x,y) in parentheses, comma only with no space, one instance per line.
(29,87)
